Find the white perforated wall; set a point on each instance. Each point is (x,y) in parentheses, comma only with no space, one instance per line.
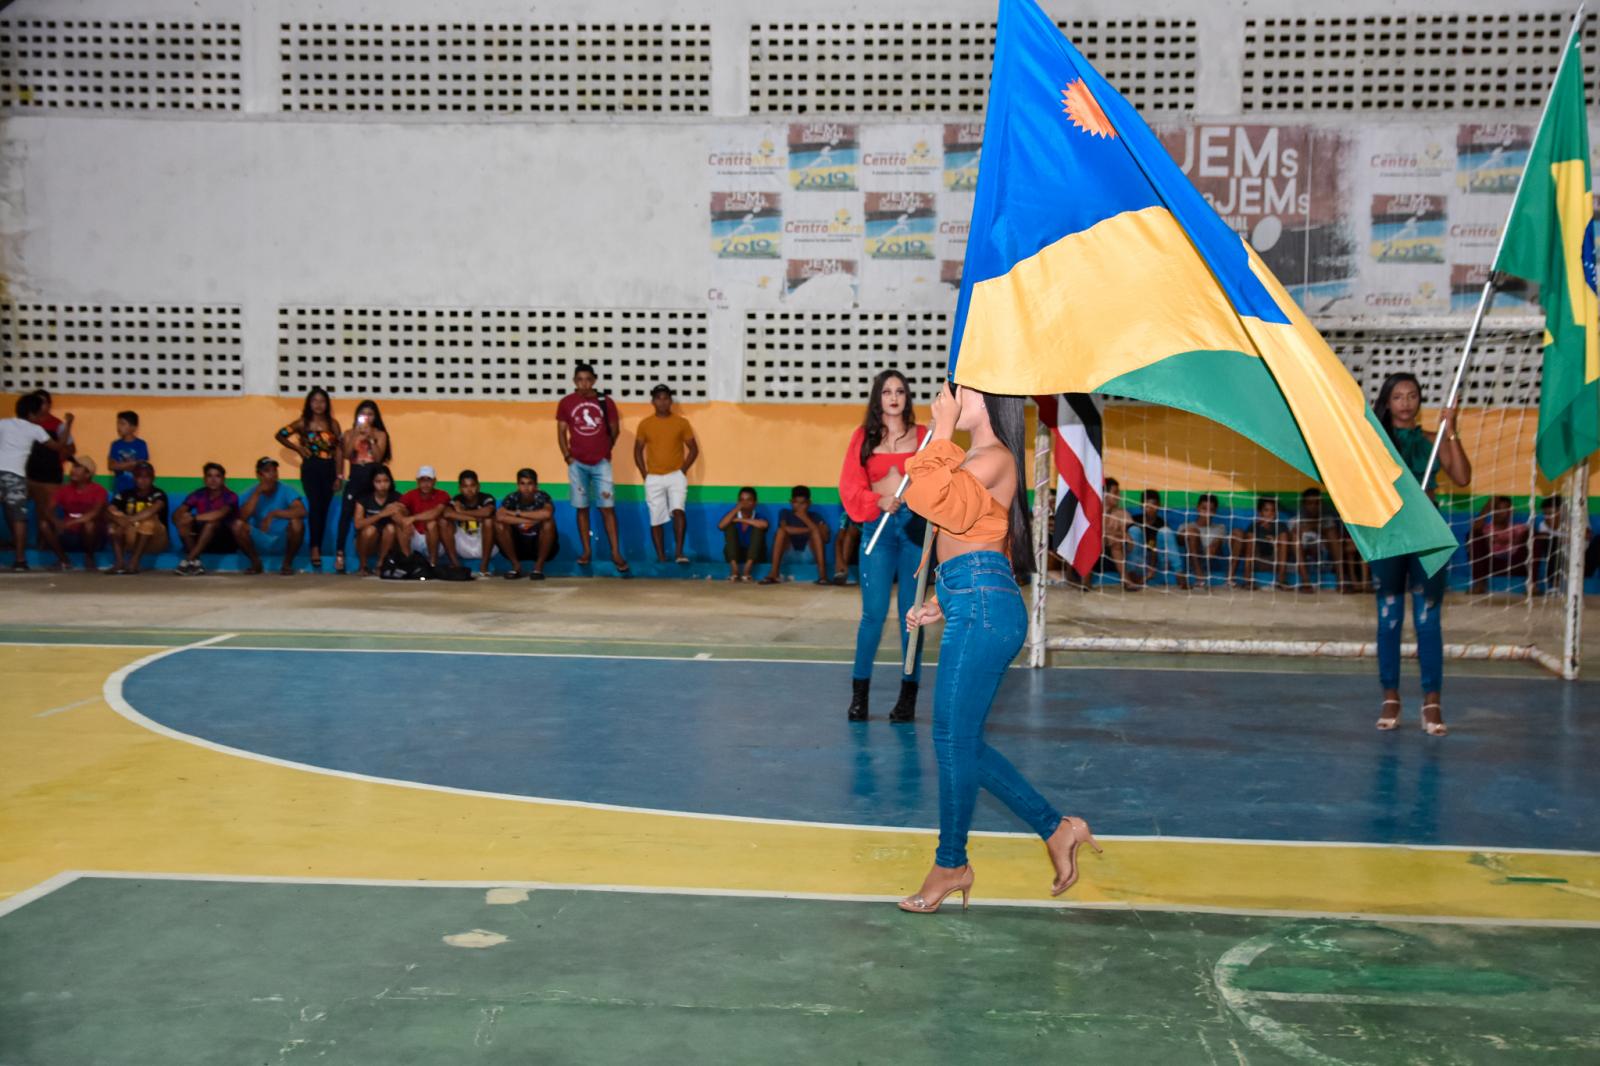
(122,348)
(496,67)
(120,64)
(1505,362)
(1435,61)
(489,353)
(943,67)
(823,357)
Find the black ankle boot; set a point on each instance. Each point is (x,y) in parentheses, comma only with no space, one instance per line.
(858,699)
(905,708)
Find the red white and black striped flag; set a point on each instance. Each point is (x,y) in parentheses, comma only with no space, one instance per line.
(1076,440)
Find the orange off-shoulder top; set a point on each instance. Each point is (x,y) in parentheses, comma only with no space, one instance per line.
(952,499)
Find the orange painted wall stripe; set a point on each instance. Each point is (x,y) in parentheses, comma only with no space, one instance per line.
(741,443)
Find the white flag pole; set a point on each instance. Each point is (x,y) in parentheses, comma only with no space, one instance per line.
(1445,426)
(905,482)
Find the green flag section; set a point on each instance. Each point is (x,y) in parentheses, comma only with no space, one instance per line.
(1550,239)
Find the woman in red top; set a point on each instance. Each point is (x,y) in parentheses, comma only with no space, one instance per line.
(873,465)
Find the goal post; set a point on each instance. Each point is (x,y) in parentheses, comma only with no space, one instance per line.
(1515,588)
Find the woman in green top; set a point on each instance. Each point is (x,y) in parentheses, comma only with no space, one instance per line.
(1398,405)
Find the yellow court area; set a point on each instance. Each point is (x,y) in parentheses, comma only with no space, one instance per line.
(86,788)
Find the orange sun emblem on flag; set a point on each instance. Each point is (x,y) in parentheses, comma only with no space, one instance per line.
(1081,106)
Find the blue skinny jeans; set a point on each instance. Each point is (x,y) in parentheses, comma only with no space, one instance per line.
(1393,576)
(985,623)
(893,560)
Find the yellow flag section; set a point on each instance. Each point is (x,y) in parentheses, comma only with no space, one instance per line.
(1575,208)
(1022,334)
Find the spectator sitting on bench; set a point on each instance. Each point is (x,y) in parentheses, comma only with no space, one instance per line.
(1264,539)
(375,516)
(272,519)
(525,525)
(744,536)
(799,527)
(1497,544)
(76,519)
(1316,539)
(1204,539)
(1115,521)
(138,521)
(205,519)
(469,523)
(422,526)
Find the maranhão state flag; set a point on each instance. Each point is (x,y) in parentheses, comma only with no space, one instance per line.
(1094,266)
(1549,238)
(1076,437)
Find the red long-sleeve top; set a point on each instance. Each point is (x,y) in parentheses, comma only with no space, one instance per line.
(855,479)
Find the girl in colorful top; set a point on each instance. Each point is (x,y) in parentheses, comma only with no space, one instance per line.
(1398,404)
(364,447)
(977,500)
(873,464)
(315,436)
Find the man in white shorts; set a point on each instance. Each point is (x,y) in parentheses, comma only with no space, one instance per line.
(664,449)
(469,523)
(422,524)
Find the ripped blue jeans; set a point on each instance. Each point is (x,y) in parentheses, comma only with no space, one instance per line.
(1394,576)
(985,623)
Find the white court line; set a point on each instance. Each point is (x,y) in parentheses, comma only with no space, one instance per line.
(66,707)
(1196,668)
(38,891)
(114,697)
(820,897)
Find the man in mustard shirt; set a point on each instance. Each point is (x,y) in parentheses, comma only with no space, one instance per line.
(664,449)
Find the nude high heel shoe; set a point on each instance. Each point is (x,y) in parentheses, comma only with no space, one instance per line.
(1078,829)
(919,904)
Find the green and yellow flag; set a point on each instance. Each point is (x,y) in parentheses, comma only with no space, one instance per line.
(1549,239)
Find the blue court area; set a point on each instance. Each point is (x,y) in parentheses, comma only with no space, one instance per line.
(1290,756)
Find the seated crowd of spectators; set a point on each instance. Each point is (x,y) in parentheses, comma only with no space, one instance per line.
(75,515)
(1146,547)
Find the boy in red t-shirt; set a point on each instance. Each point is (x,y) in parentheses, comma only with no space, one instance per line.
(423,523)
(586,430)
(76,519)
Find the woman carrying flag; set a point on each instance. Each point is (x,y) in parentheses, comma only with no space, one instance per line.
(977,501)
(1398,404)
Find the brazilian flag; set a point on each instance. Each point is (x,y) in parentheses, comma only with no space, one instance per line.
(1094,266)
(1550,239)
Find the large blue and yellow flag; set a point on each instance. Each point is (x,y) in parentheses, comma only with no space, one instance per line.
(1094,266)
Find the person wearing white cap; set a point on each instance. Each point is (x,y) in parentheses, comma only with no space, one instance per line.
(272,519)
(422,524)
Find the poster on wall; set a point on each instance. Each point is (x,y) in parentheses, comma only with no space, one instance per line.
(822,235)
(1490,157)
(824,156)
(901,158)
(746,247)
(901,237)
(1285,190)
(963,144)
(1407,227)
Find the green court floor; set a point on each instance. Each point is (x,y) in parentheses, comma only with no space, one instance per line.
(151,971)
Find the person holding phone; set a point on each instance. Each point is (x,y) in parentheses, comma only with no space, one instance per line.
(873,464)
(364,448)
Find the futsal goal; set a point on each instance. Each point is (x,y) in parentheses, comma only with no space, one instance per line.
(1515,585)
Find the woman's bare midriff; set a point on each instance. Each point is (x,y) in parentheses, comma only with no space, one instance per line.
(949,547)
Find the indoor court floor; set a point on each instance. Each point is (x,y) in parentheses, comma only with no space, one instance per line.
(272,845)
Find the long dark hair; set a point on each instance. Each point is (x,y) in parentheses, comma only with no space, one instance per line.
(1008,419)
(306,413)
(377,423)
(1380,406)
(873,423)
